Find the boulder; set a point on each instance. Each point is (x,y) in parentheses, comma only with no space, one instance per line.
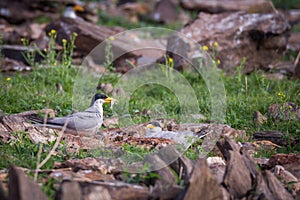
(218,6)
(255,40)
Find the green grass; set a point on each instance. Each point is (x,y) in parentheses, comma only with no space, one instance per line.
(105,19)
(37,90)
(286,4)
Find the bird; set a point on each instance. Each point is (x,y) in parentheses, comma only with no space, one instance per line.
(71,10)
(80,11)
(185,138)
(89,120)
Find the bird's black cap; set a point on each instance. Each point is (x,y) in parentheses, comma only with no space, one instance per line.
(98,96)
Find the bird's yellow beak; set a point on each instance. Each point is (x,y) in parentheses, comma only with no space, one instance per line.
(150,126)
(109,100)
(78,8)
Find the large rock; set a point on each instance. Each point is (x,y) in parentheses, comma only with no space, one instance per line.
(89,35)
(217,6)
(259,39)
(242,178)
(202,184)
(22,187)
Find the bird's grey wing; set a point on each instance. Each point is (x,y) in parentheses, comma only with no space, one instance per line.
(86,120)
(61,121)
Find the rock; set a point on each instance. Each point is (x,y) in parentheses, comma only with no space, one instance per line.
(22,187)
(243,179)
(259,39)
(293,16)
(290,162)
(90,36)
(202,184)
(111,122)
(237,177)
(294,42)
(274,136)
(274,185)
(217,6)
(103,165)
(30,31)
(80,175)
(17,12)
(101,190)
(281,67)
(165,187)
(164,11)
(288,178)
(285,111)
(17,52)
(70,190)
(259,118)
(2,192)
(274,76)
(107,88)
(18,122)
(217,168)
(132,10)
(8,65)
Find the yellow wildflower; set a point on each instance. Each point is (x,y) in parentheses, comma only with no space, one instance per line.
(52,32)
(170,60)
(111,38)
(219,61)
(8,79)
(280,94)
(205,48)
(64,41)
(75,34)
(216,44)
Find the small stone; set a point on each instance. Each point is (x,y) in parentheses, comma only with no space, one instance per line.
(259,118)
(285,111)
(111,122)
(107,87)
(59,87)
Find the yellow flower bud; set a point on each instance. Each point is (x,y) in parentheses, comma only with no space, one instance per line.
(205,48)
(111,38)
(53,32)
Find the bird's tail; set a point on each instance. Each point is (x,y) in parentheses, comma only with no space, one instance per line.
(36,120)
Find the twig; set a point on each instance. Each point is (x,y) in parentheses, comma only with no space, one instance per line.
(39,165)
(38,161)
(297,59)
(273,7)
